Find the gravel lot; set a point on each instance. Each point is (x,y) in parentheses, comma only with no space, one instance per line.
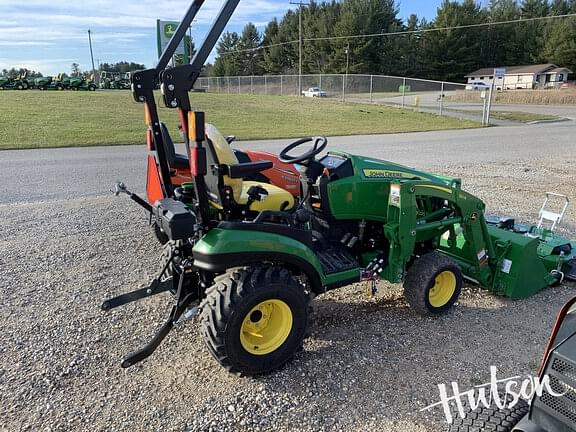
(369,364)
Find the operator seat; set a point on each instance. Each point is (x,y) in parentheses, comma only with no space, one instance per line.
(220,152)
(175,160)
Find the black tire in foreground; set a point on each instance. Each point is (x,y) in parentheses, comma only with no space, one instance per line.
(254,319)
(432,284)
(490,419)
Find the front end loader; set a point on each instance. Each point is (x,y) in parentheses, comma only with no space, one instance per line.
(248,257)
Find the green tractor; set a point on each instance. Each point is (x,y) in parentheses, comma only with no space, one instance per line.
(79,83)
(51,83)
(248,258)
(18,83)
(114,80)
(121,82)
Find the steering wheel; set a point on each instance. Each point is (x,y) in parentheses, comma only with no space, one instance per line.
(320,144)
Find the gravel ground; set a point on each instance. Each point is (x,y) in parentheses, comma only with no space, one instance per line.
(369,364)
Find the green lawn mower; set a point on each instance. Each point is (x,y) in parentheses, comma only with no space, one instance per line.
(114,80)
(248,258)
(79,83)
(18,83)
(58,82)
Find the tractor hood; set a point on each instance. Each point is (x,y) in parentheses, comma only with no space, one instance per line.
(369,168)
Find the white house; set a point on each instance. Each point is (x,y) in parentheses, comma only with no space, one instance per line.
(523,77)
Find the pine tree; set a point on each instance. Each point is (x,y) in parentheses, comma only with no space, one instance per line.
(451,54)
(228,60)
(250,54)
(560,47)
(531,33)
(371,54)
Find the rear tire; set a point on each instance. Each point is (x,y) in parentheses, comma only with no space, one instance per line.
(254,319)
(491,419)
(433,284)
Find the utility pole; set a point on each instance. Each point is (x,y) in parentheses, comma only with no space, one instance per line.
(92,58)
(300,4)
(346,76)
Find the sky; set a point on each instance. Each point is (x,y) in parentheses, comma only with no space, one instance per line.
(48,36)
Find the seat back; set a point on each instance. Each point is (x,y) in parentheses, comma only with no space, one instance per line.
(219,152)
(168,144)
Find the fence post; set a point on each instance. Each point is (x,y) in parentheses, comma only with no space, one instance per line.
(441,97)
(343,89)
(238,84)
(403,90)
(228,85)
(265,85)
(281,84)
(320,82)
(252,84)
(371,86)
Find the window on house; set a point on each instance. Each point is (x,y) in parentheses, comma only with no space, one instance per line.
(481,78)
(561,77)
(491,77)
(520,78)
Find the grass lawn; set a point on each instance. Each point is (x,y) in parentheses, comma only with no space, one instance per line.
(31,119)
(518,116)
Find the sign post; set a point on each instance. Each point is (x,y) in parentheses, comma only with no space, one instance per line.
(498,74)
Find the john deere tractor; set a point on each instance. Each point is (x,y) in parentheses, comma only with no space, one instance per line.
(59,82)
(248,257)
(18,83)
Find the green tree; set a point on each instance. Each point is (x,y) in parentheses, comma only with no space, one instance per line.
(451,54)
(371,54)
(318,21)
(560,47)
(250,55)
(228,58)
(283,56)
(531,33)
(502,43)
(75,68)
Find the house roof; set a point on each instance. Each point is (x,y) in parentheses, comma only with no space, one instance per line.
(521,70)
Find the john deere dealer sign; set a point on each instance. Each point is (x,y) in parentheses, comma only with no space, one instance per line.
(164,31)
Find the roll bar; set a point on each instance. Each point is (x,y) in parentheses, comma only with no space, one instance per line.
(175,83)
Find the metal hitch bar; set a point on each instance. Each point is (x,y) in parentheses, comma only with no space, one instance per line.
(183,300)
(156,287)
(120,187)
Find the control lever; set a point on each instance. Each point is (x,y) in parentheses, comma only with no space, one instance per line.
(120,187)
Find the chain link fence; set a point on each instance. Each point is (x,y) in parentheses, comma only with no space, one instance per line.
(440,97)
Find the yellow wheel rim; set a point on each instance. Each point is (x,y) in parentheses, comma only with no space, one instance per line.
(443,289)
(266,327)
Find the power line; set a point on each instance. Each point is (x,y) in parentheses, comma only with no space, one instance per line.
(406,32)
(436,29)
(261,47)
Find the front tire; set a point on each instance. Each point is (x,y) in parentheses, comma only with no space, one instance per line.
(433,284)
(254,319)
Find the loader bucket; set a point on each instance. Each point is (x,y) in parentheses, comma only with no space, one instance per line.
(520,272)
